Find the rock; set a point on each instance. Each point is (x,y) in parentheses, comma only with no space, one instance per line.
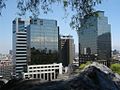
(93,77)
(1,83)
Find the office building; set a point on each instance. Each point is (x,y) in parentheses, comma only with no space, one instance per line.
(95,36)
(19,46)
(67,50)
(47,72)
(43,40)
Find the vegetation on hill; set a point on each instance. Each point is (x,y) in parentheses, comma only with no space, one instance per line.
(115,68)
(82,66)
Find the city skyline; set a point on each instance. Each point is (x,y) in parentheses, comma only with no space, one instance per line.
(9,14)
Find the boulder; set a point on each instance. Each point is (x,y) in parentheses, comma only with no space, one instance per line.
(94,77)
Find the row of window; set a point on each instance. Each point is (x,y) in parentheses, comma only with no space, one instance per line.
(42,67)
(42,76)
(42,70)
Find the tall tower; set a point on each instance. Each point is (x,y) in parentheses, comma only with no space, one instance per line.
(67,50)
(43,41)
(19,46)
(95,36)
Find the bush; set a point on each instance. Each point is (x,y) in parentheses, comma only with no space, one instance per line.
(82,66)
(115,68)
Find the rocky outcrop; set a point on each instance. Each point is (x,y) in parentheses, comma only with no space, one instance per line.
(1,83)
(93,77)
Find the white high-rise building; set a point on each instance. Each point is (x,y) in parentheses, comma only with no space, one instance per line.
(19,46)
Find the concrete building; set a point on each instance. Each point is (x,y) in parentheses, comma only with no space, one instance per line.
(95,36)
(6,66)
(67,50)
(47,72)
(43,39)
(19,46)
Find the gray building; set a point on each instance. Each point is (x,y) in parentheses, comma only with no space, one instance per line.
(95,36)
(19,46)
(6,66)
(67,50)
(43,41)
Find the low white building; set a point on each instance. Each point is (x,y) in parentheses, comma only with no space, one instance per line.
(44,72)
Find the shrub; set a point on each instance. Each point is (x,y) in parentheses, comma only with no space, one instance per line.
(115,68)
(82,66)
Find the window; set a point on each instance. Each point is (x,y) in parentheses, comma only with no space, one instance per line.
(34,75)
(42,76)
(41,22)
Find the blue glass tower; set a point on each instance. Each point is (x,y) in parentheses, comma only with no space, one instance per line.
(95,36)
(43,37)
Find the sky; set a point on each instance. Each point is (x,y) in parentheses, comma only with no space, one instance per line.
(111,8)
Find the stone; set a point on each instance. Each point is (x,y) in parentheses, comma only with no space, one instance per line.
(94,77)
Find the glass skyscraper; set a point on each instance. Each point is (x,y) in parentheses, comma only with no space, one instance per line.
(43,37)
(95,36)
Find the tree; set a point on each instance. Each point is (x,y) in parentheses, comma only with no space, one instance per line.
(80,8)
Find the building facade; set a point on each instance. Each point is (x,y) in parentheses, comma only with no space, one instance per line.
(47,72)
(19,46)
(6,66)
(43,40)
(67,50)
(95,36)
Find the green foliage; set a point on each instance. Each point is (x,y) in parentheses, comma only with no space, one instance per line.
(80,8)
(82,66)
(115,68)
(2,5)
(34,6)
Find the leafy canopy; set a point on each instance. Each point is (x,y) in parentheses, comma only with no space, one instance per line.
(80,8)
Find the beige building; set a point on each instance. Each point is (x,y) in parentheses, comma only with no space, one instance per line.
(67,50)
